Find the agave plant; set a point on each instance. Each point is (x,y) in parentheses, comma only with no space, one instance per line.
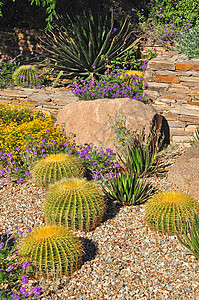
(86,45)
(127,189)
(141,155)
(190,236)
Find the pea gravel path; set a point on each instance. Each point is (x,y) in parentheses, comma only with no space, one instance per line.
(123,258)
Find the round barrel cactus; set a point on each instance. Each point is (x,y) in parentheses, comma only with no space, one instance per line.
(168,212)
(26,75)
(55,167)
(53,251)
(75,203)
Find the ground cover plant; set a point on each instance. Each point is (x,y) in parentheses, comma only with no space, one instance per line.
(13,279)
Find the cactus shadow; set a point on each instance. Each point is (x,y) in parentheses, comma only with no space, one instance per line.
(112,210)
(90,249)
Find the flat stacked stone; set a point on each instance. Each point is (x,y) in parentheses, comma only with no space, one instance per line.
(172,83)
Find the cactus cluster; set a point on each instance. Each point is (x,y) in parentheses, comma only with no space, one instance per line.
(75,203)
(55,167)
(168,212)
(54,251)
(27,74)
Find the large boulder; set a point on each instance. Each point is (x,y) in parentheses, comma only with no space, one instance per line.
(184,174)
(90,120)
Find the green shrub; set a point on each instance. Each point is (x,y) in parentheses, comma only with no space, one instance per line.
(188,42)
(178,12)
(54,167)
(53,251)
(195,136)
(74,203)
(167,212)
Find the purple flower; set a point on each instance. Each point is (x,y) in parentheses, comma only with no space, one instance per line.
(2,245)
(26,264)
(20,232)
(10,268)
(25,279)
(37,290)
(117,165)
(35,152)
(17,148)
(27,173)
(15,296)
(47,130)
(23,291)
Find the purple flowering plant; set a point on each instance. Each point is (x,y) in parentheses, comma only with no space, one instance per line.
(13,273)
(108,86)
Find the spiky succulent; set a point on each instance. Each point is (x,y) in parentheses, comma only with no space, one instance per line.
(127,189)
(53,251)
(55,167)
(85,47)
(190,236)
(75,203)
(167,212)
(27,74)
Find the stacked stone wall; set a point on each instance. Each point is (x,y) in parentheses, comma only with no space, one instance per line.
(172,85)
(15,40)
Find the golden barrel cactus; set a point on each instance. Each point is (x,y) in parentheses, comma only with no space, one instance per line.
(167,212)
(74,203)
(53,251)
(27,74)
(55,167)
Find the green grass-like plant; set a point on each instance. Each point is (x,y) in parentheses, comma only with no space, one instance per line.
(55,167)
(75,203)
(53,251)
(195,136)
(167,212)
(190,236)
(27,74)
(126,189)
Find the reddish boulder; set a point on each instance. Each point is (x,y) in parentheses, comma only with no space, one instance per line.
(184,173)
(90,120)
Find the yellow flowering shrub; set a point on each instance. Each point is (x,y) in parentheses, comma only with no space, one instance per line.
(33,132)
(18,113)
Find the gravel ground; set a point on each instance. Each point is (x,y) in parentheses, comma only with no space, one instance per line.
(123,258)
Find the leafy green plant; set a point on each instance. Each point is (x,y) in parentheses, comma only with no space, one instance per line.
(167,212)
(190,236)
(85,47)
(27,75)
(195,137)
(188,42)
(54,167)
(53,251)
(126,189)
(75,203)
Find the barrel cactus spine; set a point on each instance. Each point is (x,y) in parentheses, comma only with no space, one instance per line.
(54,251)
(74,203)
(27,74)
(167,212)
(54,167)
